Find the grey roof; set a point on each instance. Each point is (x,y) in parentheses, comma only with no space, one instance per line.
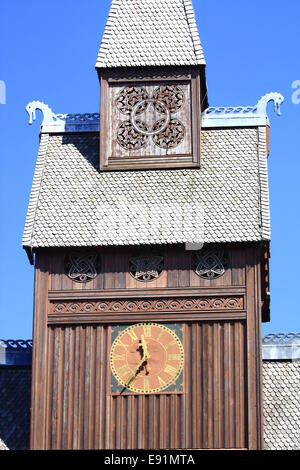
(281,390)
(281,346)
(150,33)
(15,383)
(73,204)
(15,352)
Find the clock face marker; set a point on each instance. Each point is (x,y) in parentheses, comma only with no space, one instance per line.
(132,335)
(124,371)
(162,383)
(120,343)
(147,358)
(146,384)
(147,331)
(173,357)
(120,357)
(170,344)
(160,335)
(170,370)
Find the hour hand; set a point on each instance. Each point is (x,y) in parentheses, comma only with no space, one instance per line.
(146,354)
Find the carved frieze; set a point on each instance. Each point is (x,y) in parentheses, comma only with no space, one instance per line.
(175,304)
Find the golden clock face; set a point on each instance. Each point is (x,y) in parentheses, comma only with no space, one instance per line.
(147,358)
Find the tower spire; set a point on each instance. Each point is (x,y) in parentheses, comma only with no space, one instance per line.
(150,33)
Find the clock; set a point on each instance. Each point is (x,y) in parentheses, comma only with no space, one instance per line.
(147,358)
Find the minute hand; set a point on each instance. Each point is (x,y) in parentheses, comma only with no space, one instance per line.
(133,375)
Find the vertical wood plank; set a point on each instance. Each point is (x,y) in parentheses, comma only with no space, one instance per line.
(39,355)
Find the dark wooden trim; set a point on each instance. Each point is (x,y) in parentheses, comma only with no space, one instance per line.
(265,281)
(134,74)
(144,294)
(39,357)
(258,339)
(254,351)
(95,318)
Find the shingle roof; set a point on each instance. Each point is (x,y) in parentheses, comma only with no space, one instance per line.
(15,352)
(281,386)
(150,33)
(72,204)
(15,406)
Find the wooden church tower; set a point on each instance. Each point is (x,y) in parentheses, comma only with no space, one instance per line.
(148,226)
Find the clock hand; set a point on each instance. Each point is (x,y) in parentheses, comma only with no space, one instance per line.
(143,362)
(145,348)
(135,372)
(146,353)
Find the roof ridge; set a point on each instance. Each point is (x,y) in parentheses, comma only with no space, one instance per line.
(35,192)
(191,19)
(112,15)
(264,202)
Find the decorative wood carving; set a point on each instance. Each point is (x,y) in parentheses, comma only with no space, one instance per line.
(175,304)
(151,119)
(166,132)
(146,267)
(150,122)
(210,263)
(82,266)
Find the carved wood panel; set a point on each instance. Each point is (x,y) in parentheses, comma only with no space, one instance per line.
(175,304)
(178,271)
(150,122)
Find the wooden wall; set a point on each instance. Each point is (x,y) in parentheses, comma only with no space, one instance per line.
(178,272)
(221,406)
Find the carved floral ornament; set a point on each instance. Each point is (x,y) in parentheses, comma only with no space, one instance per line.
(210,262)
(166,132)
(82,266)
(146,267)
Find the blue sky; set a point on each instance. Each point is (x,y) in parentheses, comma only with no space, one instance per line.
(47,52)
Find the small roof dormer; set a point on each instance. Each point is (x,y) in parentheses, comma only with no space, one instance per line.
(151,68)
